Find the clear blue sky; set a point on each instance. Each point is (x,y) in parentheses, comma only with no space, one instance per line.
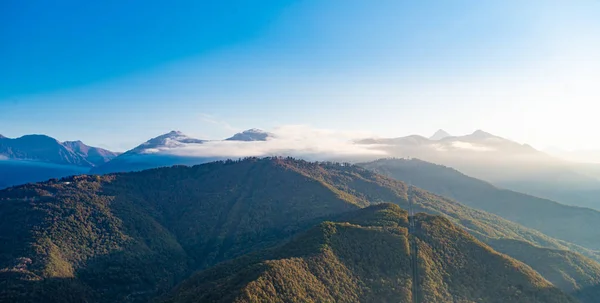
(115,73)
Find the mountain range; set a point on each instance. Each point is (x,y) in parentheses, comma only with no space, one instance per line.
(34,158)
(46,149)
(502,162)
(133,237)
(154,152)
(148,155)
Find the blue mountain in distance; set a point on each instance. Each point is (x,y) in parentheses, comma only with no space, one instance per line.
(148,154)
(34,158)
(47,149)
(94,155)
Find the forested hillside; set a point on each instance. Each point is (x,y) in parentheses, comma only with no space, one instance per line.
(134,234)
(567,270)
(366,257)
(131,237)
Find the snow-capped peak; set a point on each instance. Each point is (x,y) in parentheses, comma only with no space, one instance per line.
(171,139)
(253,134)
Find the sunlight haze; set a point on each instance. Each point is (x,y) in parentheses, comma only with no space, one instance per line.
(524,70)
(433,151)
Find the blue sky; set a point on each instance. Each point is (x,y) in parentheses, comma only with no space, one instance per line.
(115,73)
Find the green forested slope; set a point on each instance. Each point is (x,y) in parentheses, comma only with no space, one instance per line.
(367,258)
(567,270)
(130,237)
(362,187)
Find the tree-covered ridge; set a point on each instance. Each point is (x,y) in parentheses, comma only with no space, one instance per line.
(363,187)
(368,259)
(65,234)
(568,271)
(130,237)
(577,225)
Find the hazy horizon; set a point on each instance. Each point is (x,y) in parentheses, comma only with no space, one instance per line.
(326,144)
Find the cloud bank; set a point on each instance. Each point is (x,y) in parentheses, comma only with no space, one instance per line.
(470,146)
(290,140)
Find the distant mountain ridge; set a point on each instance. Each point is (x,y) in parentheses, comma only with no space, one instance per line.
(500,161)
(147,155)
(441,141)
(503,162)
(30,150)
(34,158)
(47,149)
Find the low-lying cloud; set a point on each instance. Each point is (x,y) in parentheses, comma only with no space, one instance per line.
(291,140)
(316,144)
(471,146)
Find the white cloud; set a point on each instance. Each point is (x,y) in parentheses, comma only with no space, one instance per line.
(461,146)
(471,146)
(440,147)
(289,140)
(3,157)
